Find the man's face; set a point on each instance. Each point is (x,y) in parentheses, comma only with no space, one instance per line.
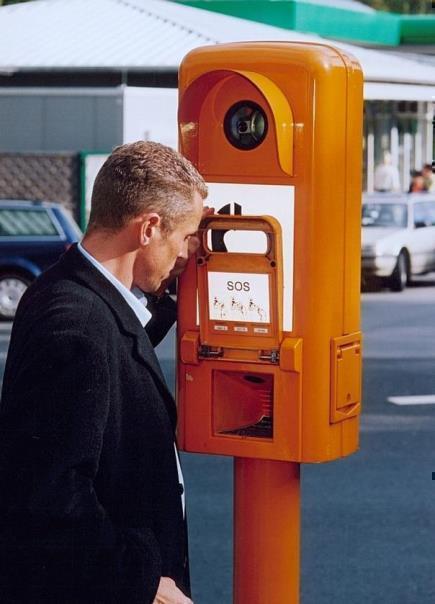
(155,261)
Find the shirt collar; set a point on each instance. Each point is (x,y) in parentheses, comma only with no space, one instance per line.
(135,298)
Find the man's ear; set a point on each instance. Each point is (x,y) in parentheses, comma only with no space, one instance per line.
(149,225)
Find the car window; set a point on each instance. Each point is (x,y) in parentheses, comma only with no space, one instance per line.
(385,215)
(26,223)
(424,214)
(72,225)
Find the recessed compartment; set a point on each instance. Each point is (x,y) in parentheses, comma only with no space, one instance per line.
(242,404)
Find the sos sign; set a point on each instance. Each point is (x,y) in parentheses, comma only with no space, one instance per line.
(238,297)
(238,286)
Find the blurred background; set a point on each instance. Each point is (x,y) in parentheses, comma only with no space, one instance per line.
(78,77)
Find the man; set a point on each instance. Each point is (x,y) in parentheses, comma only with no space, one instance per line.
(386,176)
(90,495)
(428,177)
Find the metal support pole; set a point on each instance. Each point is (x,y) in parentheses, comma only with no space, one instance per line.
(266,532)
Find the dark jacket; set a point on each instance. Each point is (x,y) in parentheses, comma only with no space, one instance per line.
(90,506)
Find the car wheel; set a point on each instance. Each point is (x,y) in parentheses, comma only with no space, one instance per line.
(12,287)
(399,277)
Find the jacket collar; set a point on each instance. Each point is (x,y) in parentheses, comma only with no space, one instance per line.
(141,311)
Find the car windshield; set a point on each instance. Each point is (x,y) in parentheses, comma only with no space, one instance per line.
(384,215)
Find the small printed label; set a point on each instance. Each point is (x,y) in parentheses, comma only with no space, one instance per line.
(221,327)
(239,297)
(261,330)
(244,329)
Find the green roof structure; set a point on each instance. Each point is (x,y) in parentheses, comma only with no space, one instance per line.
(337,19)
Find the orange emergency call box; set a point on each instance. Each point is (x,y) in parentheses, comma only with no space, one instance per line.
(269,347)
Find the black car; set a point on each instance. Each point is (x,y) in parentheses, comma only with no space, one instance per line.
(33,234)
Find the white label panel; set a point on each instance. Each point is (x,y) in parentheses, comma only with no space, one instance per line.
(238,297)
(258,200)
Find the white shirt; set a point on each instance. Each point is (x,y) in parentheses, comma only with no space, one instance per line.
(387,178)
(137,301)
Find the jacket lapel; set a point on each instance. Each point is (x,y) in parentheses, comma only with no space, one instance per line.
(82,270)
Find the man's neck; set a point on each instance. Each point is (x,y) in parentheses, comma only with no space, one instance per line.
(112,251)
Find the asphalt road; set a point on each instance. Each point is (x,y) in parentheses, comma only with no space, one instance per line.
(368,521)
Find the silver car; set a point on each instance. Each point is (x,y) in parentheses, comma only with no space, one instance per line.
(398,237)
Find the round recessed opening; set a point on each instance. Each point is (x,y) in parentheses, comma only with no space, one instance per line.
(245,125)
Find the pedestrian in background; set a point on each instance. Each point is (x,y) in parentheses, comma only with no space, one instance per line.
(417,184)
(429,177)
(386,178)
(91,503)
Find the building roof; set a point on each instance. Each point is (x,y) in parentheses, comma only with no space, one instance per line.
(150,35)
(344,20)
(342,4)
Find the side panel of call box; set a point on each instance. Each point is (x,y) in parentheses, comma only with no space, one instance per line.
(303,104)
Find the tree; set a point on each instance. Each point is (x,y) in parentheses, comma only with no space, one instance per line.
(402,6)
